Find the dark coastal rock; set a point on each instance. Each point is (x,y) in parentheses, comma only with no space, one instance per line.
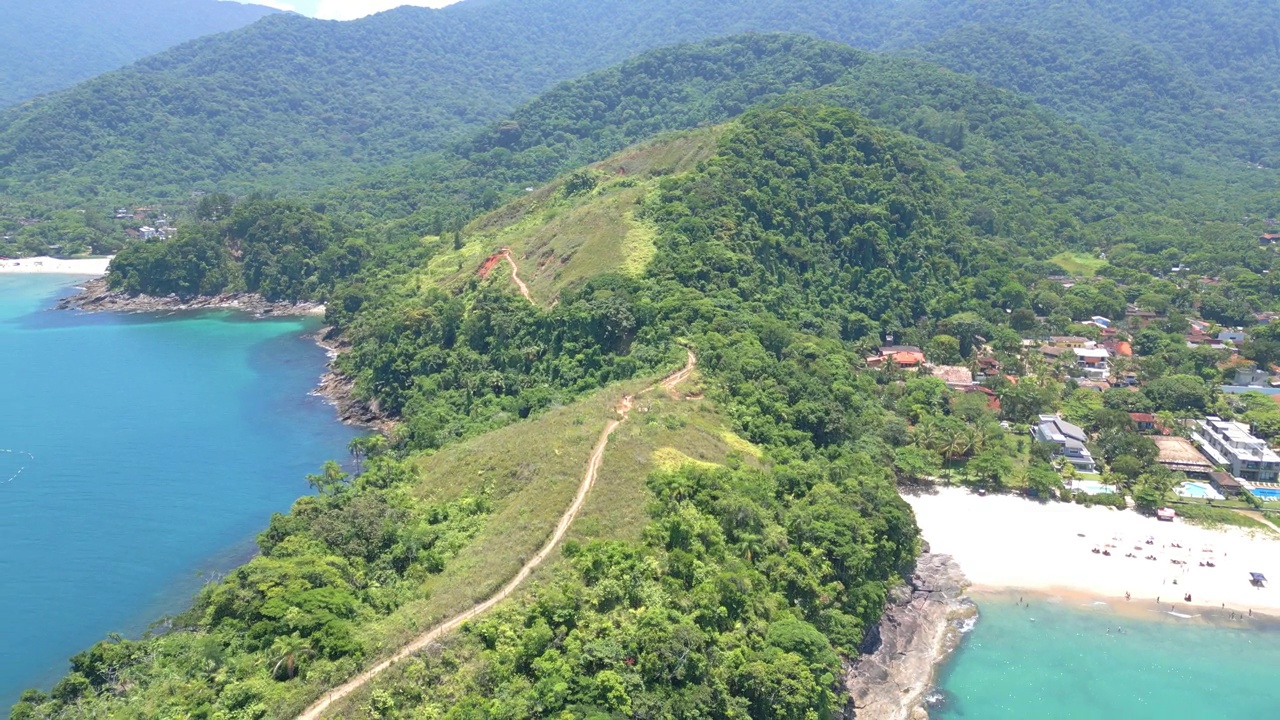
(922,624)
(340,390)
(96,296)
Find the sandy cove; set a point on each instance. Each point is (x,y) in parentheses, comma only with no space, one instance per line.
(1010,543)
(95,267)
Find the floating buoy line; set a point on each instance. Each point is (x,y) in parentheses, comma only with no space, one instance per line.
(30,458)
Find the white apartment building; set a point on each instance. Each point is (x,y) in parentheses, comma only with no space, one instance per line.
(1231,444)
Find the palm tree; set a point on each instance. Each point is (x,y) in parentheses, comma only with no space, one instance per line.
(927,436)
(980,437)
(959,443)
(1170,423)
(286,655)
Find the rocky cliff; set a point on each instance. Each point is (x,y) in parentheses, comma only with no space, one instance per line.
(96,296)
(922,624)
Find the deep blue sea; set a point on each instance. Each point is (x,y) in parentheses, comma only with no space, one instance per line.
(1071,660)
(148,452)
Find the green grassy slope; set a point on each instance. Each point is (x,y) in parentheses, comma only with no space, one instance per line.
(559,240)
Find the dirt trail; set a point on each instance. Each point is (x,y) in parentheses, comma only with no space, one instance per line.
(515,275)
(671,382)
(1255,515)
(584,488)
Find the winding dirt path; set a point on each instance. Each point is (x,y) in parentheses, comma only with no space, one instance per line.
(314,712)
(671,382)
(515,275)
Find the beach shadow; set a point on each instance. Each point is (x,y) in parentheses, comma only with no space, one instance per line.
(917,489)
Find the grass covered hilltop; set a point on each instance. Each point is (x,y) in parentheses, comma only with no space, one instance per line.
(777,206)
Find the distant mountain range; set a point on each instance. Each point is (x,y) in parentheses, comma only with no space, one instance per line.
(292,103)
(48,45)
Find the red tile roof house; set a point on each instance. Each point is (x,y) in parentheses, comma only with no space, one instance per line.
(1143,422)
(904,356)
(993,401)
(1196,336)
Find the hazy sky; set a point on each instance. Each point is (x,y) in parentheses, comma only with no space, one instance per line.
(346,9)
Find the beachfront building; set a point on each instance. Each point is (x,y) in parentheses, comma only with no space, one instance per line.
(1070,440)
(1232,445)
(1179,455)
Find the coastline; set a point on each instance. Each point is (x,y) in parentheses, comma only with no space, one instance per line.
(1133,609)
(339,390)
(96,267)
(923,623)
(335,388)
(96,296)
(1011,543)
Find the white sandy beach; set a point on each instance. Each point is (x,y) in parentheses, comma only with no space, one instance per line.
(1007,543)
(96,267)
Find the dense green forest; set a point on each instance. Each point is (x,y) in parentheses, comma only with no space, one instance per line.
(1138,73)
(782,259)
(1021,173)
(279,249)
(297,103)
(795,586)
(292,103)
(50,46)
(823,200)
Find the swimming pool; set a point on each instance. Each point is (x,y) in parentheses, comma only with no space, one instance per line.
(1199,490)
(1267,493)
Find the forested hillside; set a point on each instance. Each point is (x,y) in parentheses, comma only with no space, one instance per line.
(299,103)
(1183,81)
(770,545)
(292,103)
(818,200)
(47,46)
(1019,172)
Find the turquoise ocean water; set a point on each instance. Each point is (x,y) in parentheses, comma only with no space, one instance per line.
(150,450)
(1074,661)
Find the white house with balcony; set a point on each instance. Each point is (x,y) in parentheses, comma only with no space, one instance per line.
(1094,361)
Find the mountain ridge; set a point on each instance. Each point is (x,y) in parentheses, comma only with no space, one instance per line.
(294,104)
(45,47)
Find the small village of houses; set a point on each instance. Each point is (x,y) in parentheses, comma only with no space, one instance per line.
(1220,459)
(145,223)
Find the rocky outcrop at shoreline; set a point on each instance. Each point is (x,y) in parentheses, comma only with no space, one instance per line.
(922,624)
(97,296)
(340,390)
